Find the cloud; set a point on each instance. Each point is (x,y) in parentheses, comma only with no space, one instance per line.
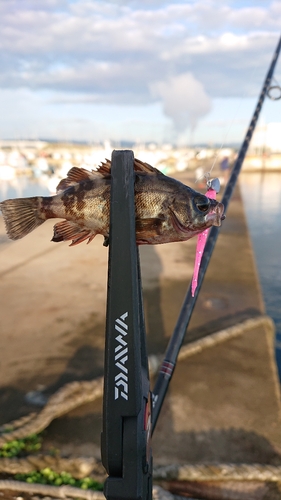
(115,51)
(184,100)
(63,60)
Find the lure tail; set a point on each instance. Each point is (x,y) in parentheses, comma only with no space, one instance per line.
(201,242)
(21,216)
(213,189)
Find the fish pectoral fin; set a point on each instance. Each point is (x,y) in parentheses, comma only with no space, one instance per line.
(74,176)
(149,225)
(67,230)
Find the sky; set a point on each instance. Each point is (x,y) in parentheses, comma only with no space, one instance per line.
(161,71)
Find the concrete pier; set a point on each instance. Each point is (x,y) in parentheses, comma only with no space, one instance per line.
(222,405)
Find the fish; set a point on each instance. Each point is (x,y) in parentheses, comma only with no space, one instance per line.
(166,210)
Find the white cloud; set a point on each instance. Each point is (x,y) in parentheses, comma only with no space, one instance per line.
(48,46)
(116,51)
(184,100)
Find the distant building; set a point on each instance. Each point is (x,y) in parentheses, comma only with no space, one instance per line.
(266,138)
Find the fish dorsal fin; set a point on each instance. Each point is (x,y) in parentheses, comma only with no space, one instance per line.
(139,166)
(74,176)
(104,168)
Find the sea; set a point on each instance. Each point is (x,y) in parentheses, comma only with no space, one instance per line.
(261,193)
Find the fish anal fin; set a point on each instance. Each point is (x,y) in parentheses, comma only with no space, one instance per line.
(76,175)
(67,230)
(82,237)
(91,238)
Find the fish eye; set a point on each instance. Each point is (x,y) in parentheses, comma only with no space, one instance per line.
(203,208)
(202,203)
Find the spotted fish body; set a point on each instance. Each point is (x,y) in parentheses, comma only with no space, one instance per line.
(166,210)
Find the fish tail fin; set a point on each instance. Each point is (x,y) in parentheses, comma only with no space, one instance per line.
(21,216)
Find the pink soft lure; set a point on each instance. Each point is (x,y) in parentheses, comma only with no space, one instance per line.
(213,188)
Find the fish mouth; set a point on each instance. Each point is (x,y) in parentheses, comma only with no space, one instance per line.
(216,216)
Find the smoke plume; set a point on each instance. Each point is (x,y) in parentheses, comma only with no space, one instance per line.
(184,100)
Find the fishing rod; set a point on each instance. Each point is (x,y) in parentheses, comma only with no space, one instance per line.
(167,368)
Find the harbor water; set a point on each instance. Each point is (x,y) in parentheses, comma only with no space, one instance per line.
(261,194)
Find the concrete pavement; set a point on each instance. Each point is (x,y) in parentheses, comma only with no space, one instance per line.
(222,404)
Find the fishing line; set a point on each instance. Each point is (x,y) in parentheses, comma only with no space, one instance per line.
(213,188)
(252,77)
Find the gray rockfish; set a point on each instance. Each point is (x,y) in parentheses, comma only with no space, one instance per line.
(166,210)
